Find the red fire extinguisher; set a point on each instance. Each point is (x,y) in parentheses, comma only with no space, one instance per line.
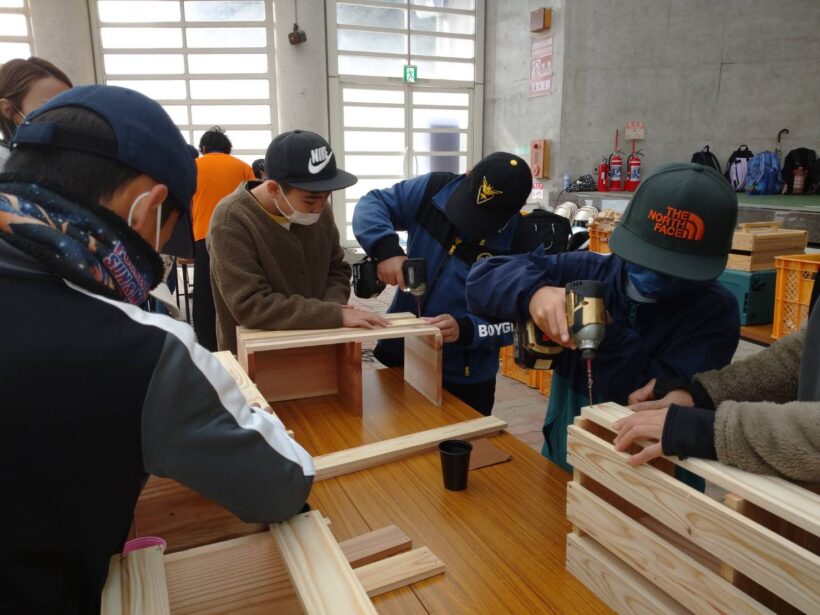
(633,163)
(616,168)
(603,176)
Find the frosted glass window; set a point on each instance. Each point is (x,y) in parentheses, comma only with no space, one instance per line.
(143,63)
(430,21)
(363,186)
(442,46)
(373,117)
(374,165)
(227,63)
(243,139)
(373,96)
(377,67)
(230,114)
(440,118)
(378,42)
(360,141)
(440,142)
(165,89)
(214,89)
(434,69)
(137,11)
(453,99)
(13,25)
(178,113)
(231,10)
(141,38)
(467,5)
(9,51)
(225,37)
(11,4)
(357,15)
(450,164)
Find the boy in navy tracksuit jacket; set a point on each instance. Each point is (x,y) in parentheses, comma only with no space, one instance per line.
(452,221)
(668,318)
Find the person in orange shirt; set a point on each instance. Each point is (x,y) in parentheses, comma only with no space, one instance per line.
(217,175)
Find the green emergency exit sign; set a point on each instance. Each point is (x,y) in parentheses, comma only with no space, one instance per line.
(410,73)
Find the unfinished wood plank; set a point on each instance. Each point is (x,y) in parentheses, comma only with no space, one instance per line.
(136,584)
(398,571)
(322,577)
(375,545)
(259,341)
(423,364)
(615,583)
(296,373)
(681,577)
(349,375)
(241,378)
(772,561)
(378,453)
(786,499)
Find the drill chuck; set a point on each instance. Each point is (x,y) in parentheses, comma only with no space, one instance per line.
(586,315)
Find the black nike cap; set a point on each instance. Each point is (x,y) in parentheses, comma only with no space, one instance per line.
(303,159)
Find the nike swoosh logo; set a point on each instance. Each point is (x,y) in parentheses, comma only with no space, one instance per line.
(314,169)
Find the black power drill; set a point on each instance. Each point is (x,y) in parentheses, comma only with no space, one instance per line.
(366,283)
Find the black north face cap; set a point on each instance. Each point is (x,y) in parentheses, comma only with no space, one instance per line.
(494,191)
(680,222)
(303,159)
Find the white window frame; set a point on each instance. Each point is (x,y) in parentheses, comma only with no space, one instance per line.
(29,37)
(336,83)
(190,128)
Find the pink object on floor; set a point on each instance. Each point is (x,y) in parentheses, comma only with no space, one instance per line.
(143,542)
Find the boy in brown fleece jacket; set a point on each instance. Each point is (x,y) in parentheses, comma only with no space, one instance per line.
(761,414)
(276,260)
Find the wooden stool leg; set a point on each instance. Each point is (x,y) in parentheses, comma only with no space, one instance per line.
(349,370)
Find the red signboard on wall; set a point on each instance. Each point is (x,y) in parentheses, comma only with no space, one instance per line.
(541,65)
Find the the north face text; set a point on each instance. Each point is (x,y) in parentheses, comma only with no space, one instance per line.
(678,223)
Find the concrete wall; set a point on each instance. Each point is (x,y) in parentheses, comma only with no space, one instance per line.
(717,72)
(61,32)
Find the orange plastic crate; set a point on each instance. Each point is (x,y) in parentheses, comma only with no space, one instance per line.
(792,293)
(599,240)
(511,370)
(545,382)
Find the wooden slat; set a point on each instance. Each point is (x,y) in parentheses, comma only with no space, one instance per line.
(694,586)
(399,570)
(423,365)
(377,453)
(244,383)
(772,561)
(623,589)
(136,584)
(260,341)
(788,500)
(322,577)
(375,545)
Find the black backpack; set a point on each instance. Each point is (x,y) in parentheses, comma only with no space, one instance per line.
(801,158)
(706,158)
(737,167)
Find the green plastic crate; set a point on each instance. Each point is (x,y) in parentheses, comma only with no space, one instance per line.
(754,291)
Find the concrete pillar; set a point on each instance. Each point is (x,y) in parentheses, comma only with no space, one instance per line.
(62,35)
(301,70)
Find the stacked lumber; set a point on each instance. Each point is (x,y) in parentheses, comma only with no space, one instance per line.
(756,244)
(645,542)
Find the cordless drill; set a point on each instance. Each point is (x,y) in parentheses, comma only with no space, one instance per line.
(586,317)
(414,271)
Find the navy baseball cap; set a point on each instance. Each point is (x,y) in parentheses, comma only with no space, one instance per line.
(145,139)
(492,193)
(303,159)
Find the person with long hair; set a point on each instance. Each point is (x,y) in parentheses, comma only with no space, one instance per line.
(24,86)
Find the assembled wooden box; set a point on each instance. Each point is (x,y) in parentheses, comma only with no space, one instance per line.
(755,245)
(646,543)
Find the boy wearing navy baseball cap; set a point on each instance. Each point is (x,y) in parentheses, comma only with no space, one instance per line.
(97,392)
(276,258)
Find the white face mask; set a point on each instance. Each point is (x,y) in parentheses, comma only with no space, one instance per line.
(297,217)
(159,217)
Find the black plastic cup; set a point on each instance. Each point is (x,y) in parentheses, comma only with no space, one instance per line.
(455,463)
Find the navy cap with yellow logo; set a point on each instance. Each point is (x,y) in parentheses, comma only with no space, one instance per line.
(680,222)
(492,193)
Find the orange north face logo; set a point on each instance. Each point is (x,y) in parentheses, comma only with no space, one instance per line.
(678,223)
